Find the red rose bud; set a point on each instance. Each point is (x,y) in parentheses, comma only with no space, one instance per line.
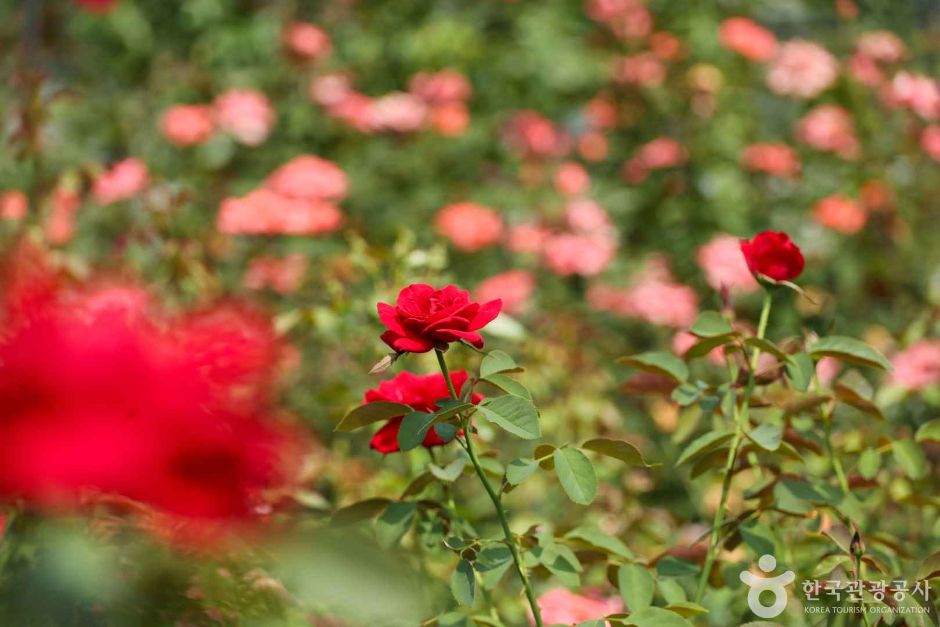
(422,394)
(773,254)
(424,318)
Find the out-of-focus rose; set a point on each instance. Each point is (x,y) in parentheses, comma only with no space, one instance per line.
(398,111)
(330,90)
(572,179)
(628,19)
(123,181)
(245,114)
(827,369)
(59,226)
(829,128)
(265,212)
(283,275)
(14,205)
(584,254)
(840,213)
(586,216)
(773,254)
(424,318)
(441,87)
(469,226)
(601,112)
(802,69)
(534,134)
(777,159)
(930,142)
(865,70)
(560,606)
(665,45)
(593,146)
(187,125)
(919,93)
(662,152)
(450,119)
(513,287)
(882,46)
(653,297)
(310,177)
(642,68)
(917,366)
(724,265)
(747,38)
(527,238)
(307,41)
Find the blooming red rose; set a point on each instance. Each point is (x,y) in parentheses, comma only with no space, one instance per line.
(773,254)
(424,318)
(420,392)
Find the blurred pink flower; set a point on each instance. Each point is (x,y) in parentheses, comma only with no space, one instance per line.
(840,213)
(882,46)
(265,212)
(601,112)
(534,134)
(245,114)
(398,111)
(187,125)
(560,606)
(662,152)
(865,70)
(827,369)
(283,275)
(123,181)
(307,41)
(450,119)
(442,87)
(469,226)
(309,177)
(527,238)
(666,45)
(829,128)
(748,38)
(628,19)
(586,216)
(919,93)
(572,179)
(917,366)
(642,68)
(682,341)
(652,299)
(802,69)
(773,158)
(930,142)
(330,89)
(356,110)
(585,254)
(724,265)
(514,287)
(14,205)
(59,226)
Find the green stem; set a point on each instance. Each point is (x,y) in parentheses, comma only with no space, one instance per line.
(833,458)
(467,444)
(741,421)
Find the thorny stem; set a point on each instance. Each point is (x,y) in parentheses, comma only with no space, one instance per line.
(741,422)
(467,444)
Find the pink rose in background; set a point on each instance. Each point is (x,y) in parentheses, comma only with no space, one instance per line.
(682,341)
(513,287)
(777,159)
(653,296)
(919,93)
(307,41)
(59,227)
(882,46)
(829,128)
(123,181)
(264,212)
(469,226)
(865,70)
(628,19)
(587,216)
(14,205)
(802,69)
(187,125)
(245,114)
(310,177)
(534,134)
(917,366)
(930,142)
(560,606)
(441,87)
(724,265)
(330,89)
(827,369)
(450,119)
(747,38)
(840,213)
(585,254)
(527,238)
(666,46)
(398,111)
(601,112)
(283,275)
(572,179)
(643,68)
(661,153)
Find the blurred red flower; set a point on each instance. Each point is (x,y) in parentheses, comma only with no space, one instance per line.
(307,41)
(748,38)
(840,213)
(424,318)
(773,254)
(469,226)
(187,125)
(513,287)
(777,159)
(123,181)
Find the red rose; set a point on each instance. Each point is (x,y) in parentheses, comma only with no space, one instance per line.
(422,394)
(772,254)
(424,318)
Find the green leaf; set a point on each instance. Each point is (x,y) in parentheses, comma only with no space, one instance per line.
(687,609)
(454,619)
(520,469)
(929,431)
(394,523)
(910,457)
(672,566)
(830,563)
(451,471)
(496,362)
(509,385)
(707,345)
(657,617)
(849,350)
(672,590)
(710,324)
(687,393)
(766,346)
(618,449)
(704,444)
(852,398)
(767,436)
(576,474)
(800,369)
(463,583)
(450,408)
(413,429)
(664,364)
(516,415)
(597,538)
(371,412)
(445,431)
(869,462)
(636,586)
